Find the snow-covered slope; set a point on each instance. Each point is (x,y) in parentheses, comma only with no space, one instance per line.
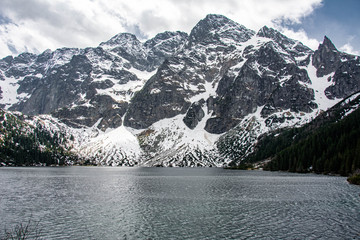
(201,99)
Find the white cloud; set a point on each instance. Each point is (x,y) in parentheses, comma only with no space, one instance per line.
(301,36)
(40,24)
(348,48)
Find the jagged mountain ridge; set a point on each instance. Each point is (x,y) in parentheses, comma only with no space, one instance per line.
(92,81)
(174,99)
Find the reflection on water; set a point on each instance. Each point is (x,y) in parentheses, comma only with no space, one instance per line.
(178,203)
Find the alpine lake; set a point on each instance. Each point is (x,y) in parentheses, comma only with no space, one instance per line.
(177,203)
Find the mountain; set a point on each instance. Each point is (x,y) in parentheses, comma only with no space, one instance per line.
(178,99)
(328,144)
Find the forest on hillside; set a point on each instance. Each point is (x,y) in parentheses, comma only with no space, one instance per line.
(323,146)
(22,144)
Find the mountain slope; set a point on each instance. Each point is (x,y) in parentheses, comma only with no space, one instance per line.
(201,99)
(24,141)
(90,83)
(328,144)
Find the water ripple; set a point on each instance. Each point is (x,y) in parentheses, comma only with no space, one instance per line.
(148,203)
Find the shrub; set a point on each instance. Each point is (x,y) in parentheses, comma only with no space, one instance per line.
(354,179)
(22,231)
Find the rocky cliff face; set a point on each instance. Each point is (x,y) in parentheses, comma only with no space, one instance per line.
(179,99)
(81,86)
(340,68)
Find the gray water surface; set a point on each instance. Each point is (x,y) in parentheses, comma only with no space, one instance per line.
(178,203)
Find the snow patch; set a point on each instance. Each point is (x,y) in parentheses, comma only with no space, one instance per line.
(174,140)
(349,99)
(155,91)
(119,138)
(142,75)
(9,94)
(210,90)
(319,84)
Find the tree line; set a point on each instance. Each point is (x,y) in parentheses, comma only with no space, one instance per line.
(22,144)
(324,146)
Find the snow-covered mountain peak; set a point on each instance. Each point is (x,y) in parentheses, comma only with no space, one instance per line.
(217,29)
(164,36)
(326,58)
(123,40)
(166,44)
(272,34)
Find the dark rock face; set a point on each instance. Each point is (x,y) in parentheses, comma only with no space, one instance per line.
(67,82)
(102,107)
(186,75)
(267,78)
(194,114)
(218,125)
(6,63)
(272,76)
(57,90)
(346,80)
(326,59)
(294,48)
(123,76)
(158,99)
(165,45)
(293,96)
(17,66)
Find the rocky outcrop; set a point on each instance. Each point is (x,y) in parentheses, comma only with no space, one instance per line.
(343,67)
(326,58)
(346,79)
(58,89)
(165,45)
(194,114)
(294,48)
(160,98)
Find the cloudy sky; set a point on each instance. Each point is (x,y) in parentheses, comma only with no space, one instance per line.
(37,25)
